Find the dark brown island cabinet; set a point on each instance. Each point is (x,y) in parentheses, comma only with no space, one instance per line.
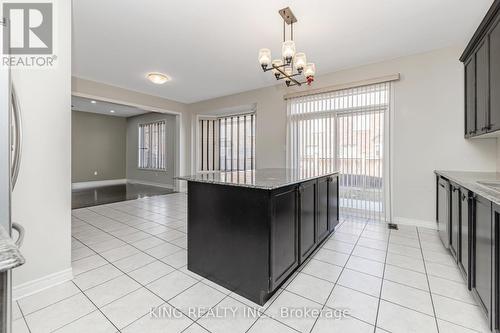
(481,59)
(472,237)
(248,231)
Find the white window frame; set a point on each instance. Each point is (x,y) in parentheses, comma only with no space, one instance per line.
(162,151)
(197,138)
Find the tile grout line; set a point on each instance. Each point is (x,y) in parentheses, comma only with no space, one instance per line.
(341,272)
(23,316)
(428,284)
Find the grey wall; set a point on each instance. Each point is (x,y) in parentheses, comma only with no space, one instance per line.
(133,172)
(98,144)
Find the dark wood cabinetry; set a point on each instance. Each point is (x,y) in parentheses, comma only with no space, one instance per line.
(465,239)
(470,97)
(333,205)
(495,76)
(481,281)
(454,220)
(308,216)
(284,247)
(481,59)
(443,210)
(495,311)
(322,229)
(250,240)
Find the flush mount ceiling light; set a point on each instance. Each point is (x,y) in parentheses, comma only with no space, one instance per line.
(293,65)
(112,111)
(93,102)
(157,78)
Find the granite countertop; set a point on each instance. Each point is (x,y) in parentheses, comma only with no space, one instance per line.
(267,179)
(10,257)
(469,180)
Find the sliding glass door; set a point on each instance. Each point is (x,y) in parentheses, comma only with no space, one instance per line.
(345,130)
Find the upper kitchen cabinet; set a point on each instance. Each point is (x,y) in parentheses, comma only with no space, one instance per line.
(481,59)
(495,75)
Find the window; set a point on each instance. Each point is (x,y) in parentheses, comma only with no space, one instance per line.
(345,130)
(227,143)
(152,146)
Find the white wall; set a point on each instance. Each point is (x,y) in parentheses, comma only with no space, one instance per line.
(428,126)
(42,197)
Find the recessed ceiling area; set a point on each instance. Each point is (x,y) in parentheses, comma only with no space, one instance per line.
(95,106)
(209,48)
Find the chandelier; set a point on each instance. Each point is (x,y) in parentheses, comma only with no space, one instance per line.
(293,66)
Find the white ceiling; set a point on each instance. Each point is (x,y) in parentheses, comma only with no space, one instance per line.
(209,48)
(85,105)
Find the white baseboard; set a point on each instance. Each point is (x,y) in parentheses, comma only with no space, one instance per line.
(32,287)
(97,183)
(143,182)
(415,222)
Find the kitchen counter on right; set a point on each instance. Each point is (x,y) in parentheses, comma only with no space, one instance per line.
(472,180)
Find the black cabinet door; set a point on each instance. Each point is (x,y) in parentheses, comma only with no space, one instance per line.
(307,218)
(482,87)
(465,226)
(495,77)
(284,229)
(495,293)
(470,96)
(333,203)
(322,222)
(482,255)
(455,221)
(443,210)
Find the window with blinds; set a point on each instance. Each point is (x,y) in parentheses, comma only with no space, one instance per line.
(227,143)
(152,146)
(345,130)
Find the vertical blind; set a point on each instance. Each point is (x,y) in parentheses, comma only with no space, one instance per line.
(152,146)
(227,143)
(344,130)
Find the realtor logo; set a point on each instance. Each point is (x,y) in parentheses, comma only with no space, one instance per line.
(30,28)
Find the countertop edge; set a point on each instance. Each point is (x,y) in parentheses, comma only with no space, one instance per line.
(471,185)
(270,188)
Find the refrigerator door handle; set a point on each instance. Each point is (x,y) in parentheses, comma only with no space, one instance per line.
(18,137)
(20,230)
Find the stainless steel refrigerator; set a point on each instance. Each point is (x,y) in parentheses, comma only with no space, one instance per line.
(10,158)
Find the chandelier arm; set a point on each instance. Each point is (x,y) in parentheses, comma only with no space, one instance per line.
(288,76)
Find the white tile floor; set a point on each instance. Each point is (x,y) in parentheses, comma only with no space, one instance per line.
(129,257)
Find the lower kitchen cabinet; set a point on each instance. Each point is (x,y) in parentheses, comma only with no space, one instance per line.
(465,235)
(454,220)
(307,218)
(318,213)
(322,229)
(333,203)
(482,255)
(495,317)
(443,210)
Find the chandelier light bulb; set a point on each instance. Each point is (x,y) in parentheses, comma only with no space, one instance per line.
(277,63)
(310,70)
(300,61)
(288,50)
(264,57)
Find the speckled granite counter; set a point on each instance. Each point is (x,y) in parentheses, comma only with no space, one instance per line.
(469,180)
(267,179)
(10,257)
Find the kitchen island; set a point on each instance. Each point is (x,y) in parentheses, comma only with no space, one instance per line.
(248,231)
